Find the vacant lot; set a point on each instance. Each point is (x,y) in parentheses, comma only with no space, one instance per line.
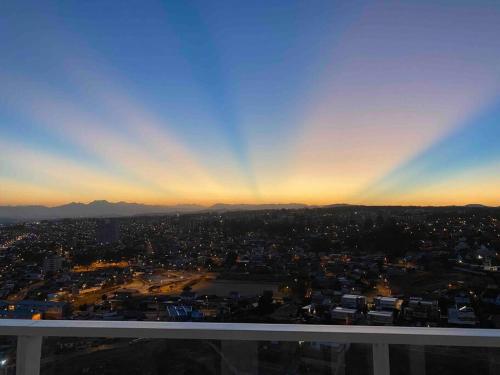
(224,287)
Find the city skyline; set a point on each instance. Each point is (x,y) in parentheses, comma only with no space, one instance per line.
(319,103)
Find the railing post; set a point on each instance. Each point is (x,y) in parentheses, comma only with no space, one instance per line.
(29,351)
(381,359)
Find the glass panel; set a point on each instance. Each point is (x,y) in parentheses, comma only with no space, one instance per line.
(443,360)
(8,355)
(74,356)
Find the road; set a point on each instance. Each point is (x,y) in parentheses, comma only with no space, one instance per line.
(164,282)
(22,293)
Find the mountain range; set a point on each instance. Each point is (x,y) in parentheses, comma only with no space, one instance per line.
(103,208)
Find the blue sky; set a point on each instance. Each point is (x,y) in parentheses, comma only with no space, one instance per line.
(263,101)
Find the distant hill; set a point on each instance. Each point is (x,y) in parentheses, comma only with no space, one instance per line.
(338,205)
(102,208)
(249,207)
(99,208)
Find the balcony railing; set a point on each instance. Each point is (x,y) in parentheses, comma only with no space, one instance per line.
(30,333)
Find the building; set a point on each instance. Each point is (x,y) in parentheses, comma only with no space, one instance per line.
(179,313)
(35,310)
(463,317)
(420,309)
(380,317)
(343,315)
(353,301)
(387,303)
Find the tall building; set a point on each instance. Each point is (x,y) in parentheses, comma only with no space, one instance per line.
(107,231)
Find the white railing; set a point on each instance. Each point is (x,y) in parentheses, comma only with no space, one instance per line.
(30,333)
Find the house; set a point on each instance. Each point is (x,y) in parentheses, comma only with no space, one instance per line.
(380,317)
(31,309)
(463,317)
(422,310)
(344,315)
(353,301)
(387,303)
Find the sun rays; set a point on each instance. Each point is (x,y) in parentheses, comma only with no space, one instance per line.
(371,104)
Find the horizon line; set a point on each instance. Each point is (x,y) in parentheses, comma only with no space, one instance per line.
(206,206)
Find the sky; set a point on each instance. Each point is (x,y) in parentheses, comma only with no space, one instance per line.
(318,102)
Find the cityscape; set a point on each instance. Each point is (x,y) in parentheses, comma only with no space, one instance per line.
(265,187)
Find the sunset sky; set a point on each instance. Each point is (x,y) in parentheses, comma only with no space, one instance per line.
(383,102)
